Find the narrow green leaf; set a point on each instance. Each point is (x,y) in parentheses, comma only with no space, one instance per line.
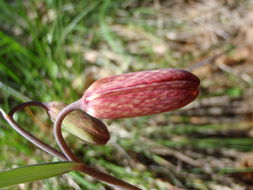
(34,172)
(13,92)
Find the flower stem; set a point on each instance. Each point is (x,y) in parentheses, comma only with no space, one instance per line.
(25,104)
(9,118)
(58,132)
(67,155)
(110,180)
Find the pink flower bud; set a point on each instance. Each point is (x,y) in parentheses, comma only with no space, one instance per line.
(140,93)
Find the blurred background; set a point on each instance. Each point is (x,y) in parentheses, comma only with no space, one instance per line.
(53,50)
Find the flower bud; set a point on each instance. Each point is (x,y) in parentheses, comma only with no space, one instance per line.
(140,93)
(80,124)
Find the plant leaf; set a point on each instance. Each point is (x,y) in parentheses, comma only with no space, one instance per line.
(35,172)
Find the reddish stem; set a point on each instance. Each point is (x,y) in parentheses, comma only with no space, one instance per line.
(68,155)
(110,180)
(58,133)
(37,142)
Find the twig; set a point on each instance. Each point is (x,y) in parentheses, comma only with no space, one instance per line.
(166,151)
(123,152)
(229,69)
(204,62)
(161,150)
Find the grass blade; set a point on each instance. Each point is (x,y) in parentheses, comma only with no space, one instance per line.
(34,172)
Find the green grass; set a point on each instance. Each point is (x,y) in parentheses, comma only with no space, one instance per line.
(43,48)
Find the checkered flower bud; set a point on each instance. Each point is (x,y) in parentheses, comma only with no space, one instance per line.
(140,93)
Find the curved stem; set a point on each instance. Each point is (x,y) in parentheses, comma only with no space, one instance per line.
(25,104)
(110,180)
(58,133)
(9,118)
